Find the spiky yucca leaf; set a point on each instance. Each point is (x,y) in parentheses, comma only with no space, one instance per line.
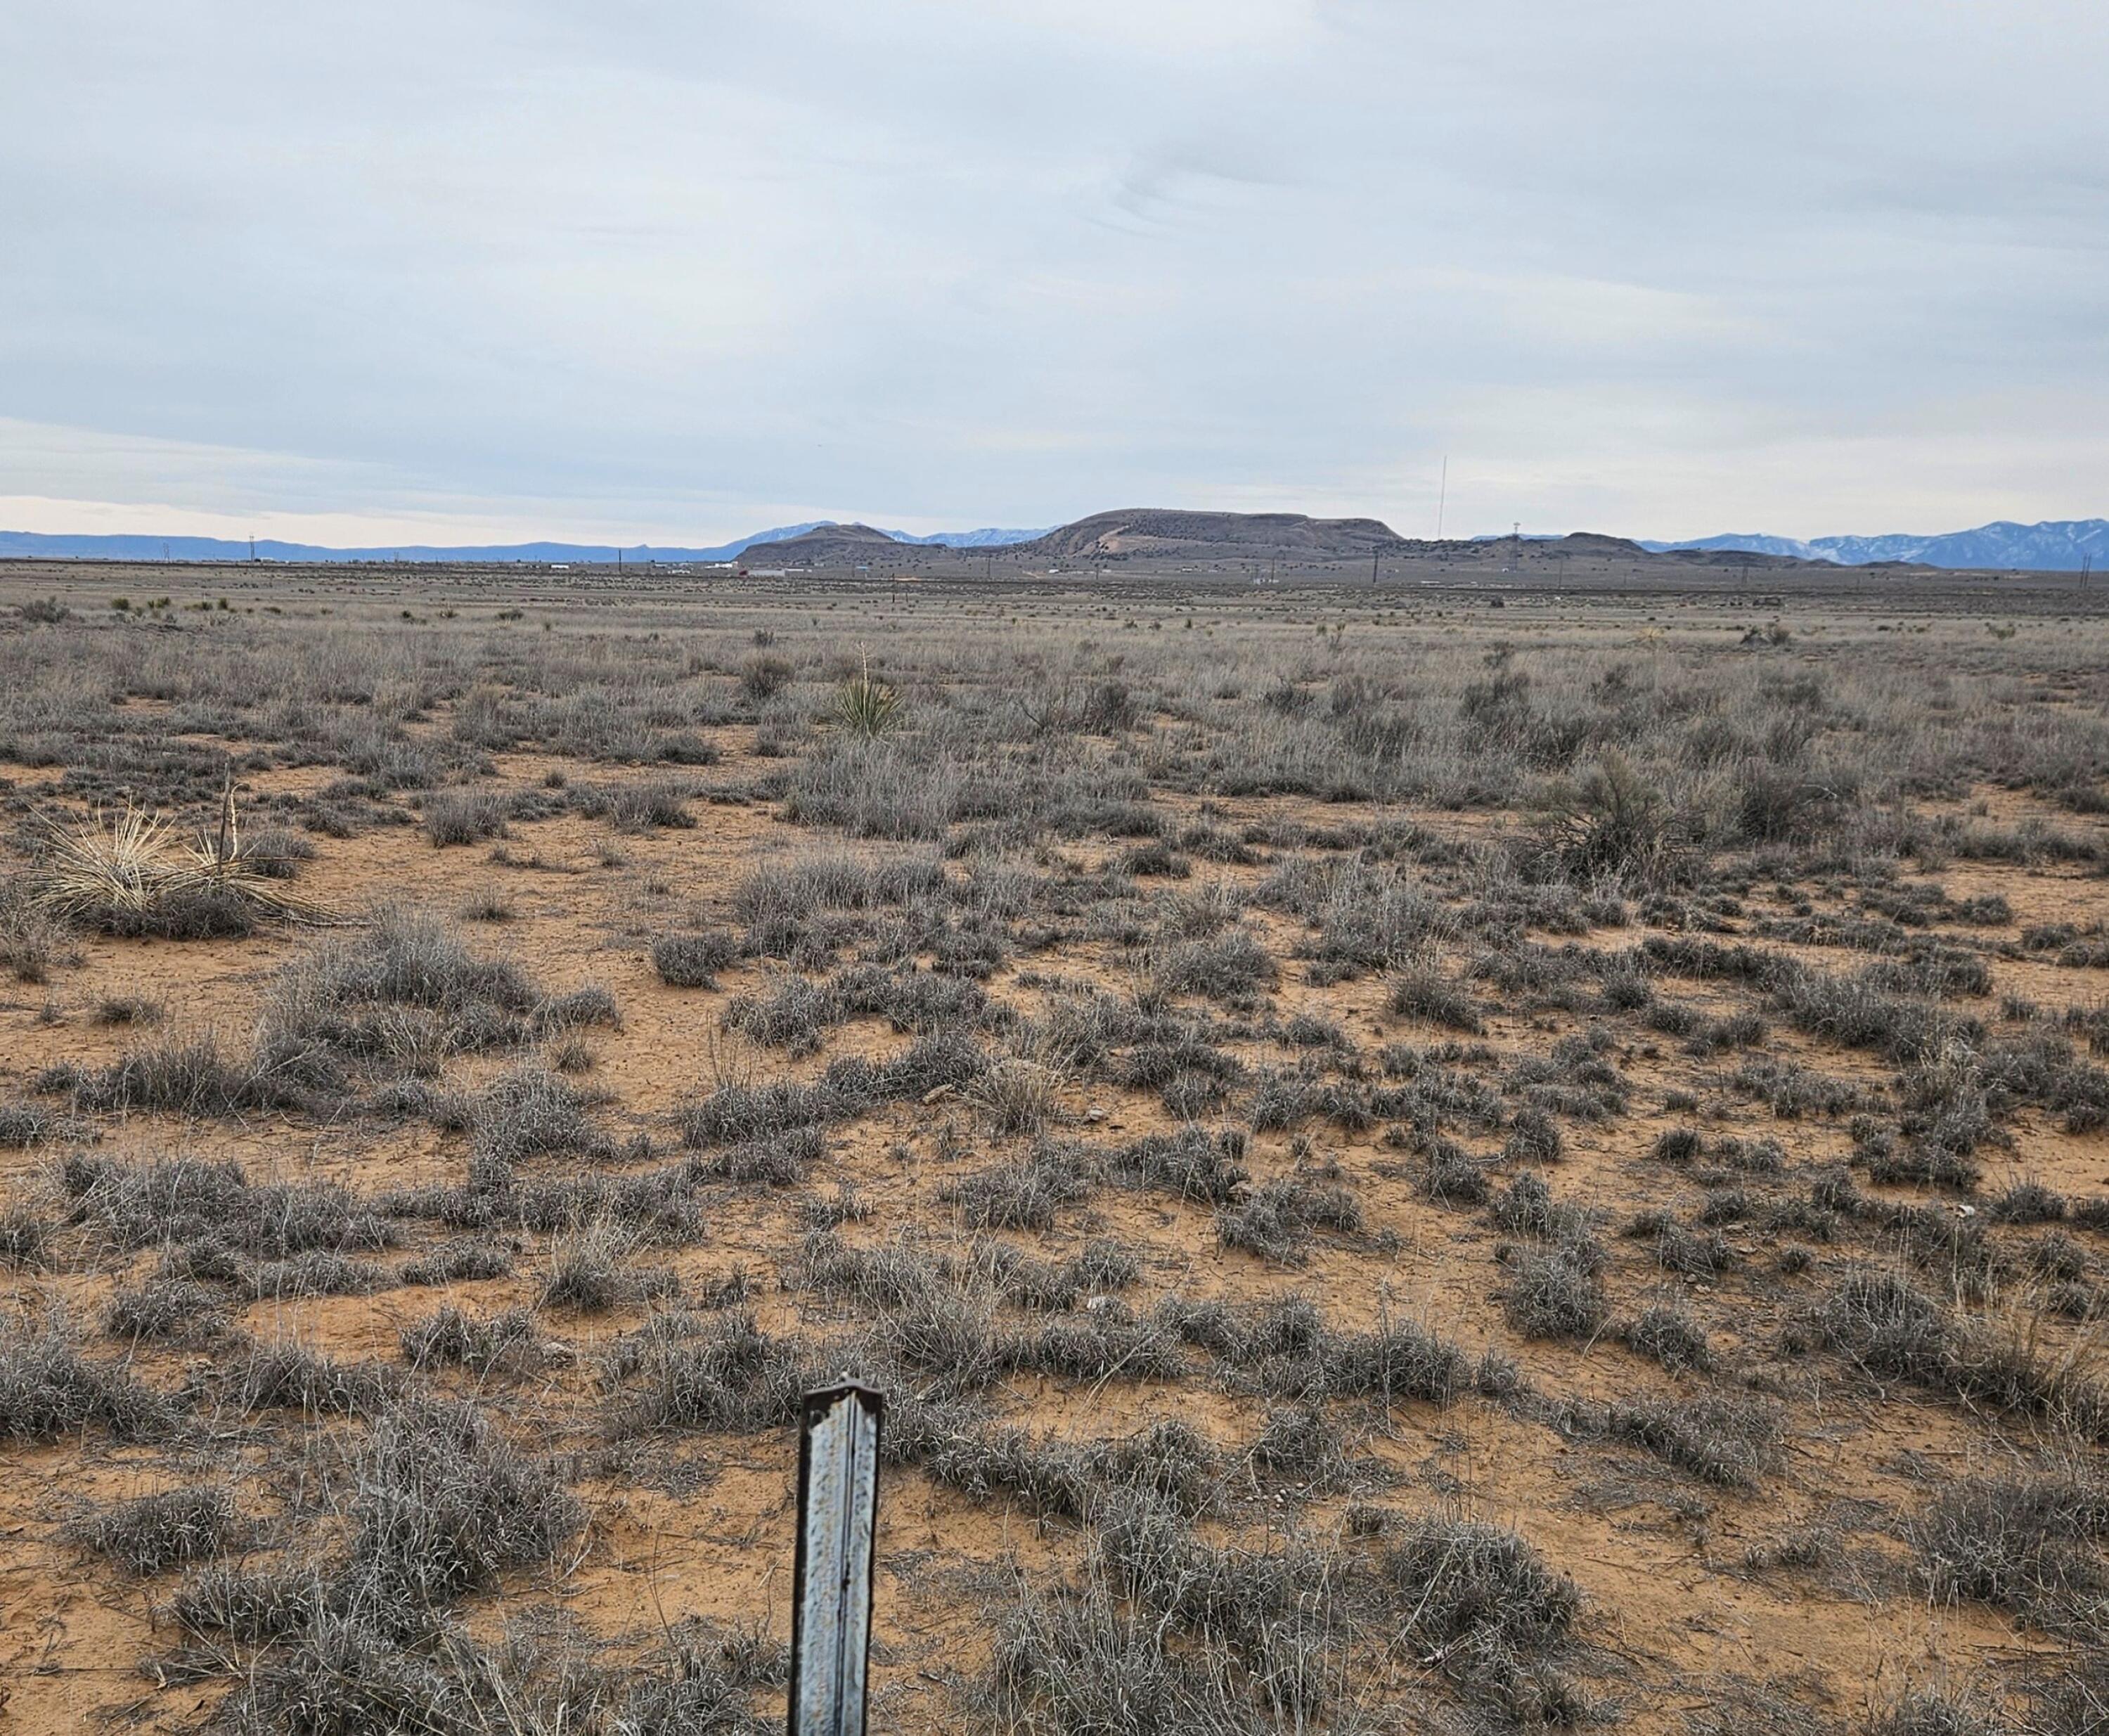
(99,862)
(864,707)
(105,867)
(217,862)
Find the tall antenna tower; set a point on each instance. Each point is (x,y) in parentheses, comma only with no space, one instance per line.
(1441,496)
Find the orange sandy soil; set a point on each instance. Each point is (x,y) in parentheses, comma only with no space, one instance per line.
(1659,1558)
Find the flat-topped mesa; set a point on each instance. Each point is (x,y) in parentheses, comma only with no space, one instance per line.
(1162,532)
(1157,534)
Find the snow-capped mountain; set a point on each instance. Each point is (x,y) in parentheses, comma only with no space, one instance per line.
(2055,545)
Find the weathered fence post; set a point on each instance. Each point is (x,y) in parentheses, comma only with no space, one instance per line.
(830,1588)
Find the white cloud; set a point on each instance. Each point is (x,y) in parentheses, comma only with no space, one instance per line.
(653,271)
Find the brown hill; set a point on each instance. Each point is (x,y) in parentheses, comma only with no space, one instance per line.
(1160,533)
(829,546)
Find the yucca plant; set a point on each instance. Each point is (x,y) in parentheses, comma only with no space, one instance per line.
(864,707)
(123,870)
(101,865)
(220,861)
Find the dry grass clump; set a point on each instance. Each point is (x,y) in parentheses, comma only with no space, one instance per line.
(457,1263)
(195,1201)
(1554,1294)
(1288,1349)
(1161,1629)
(167,1310)
(26,1124)
(1476,1598)
(1420,990)
(781,1161)
(2032,1547)
(1880,1321)
(940,1318)
(1672,1335)
(715,1372)
(1277,1220)
(1192,1162)
(441,1504)
(1526,1207)
(588,1273)
(693,961)
(193,1076)
(1233,968)
(465,816)
(527,1112)
(637,808)
(1534,1137)
(739,1111)
(778,902)
(1719,1438)
(285,1375)
(1018,1094)
(1299,1443)
(1058,1479)
(451,1338)
(316,1272)
(1450,1175)
(25,1237)
(763,675)
(1101,1267)
(792,1014)
(1022,1195)
(404,995)
(32,939)
(153,1533)
(435,1504)
(47,1389)
(1611,820)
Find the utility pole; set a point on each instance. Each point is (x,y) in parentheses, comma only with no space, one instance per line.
(1441,496)
(1373,566)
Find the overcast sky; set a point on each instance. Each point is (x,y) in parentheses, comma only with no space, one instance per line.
(670,270)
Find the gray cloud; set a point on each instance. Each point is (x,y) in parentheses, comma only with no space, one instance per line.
(662,271)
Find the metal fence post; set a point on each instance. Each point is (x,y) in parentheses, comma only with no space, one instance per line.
(830,1588)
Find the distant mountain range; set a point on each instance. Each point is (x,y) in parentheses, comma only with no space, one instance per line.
(2057,545)
(19,544)
(2060,545)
